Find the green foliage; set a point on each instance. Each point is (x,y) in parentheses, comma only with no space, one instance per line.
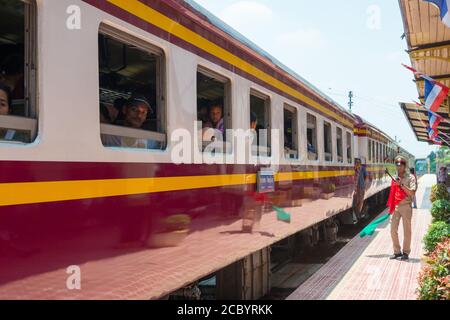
(434,278)
(441,211)
(439,192)
(437,232)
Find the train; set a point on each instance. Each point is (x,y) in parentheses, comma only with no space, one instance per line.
(84,219)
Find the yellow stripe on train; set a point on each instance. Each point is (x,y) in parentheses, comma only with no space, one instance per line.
(53,191)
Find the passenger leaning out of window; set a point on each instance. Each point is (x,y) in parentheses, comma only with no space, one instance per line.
(135,113)
(214,122)
(216,117)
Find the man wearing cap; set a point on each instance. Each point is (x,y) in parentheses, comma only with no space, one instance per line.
(402,192)
(135,114)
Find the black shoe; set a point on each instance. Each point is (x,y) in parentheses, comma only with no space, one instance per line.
(404,257)
(396,256)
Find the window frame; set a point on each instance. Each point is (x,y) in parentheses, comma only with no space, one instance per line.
(268,121)
(144,45)
(328,124)
(295,133)
(316,146)
(227,112)
(29,121)
(339,129)
(349,139)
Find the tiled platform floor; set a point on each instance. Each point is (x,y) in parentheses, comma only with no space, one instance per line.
(362,269)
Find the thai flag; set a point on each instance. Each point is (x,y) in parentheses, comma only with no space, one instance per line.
(435,120)
(435,93)
(437,141)
(432,133)
(443,6)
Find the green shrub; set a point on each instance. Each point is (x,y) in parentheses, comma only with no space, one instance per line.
(437,232)
(434,280)
(439,192)
(441,211)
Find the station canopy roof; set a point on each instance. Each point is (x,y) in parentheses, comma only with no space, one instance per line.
(429,48)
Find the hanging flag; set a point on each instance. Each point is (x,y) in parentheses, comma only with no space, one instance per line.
(411,69)
(435,120)
(443,6)
(437,141)
(432,133)
(435,94)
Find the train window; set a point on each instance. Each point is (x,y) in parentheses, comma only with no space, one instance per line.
(132,107)
(377,152)
(349,148)
(327,141)
(290,132)
(213,107)
(370,150)
(311,134)
(339,144)
(374,155)
(18,106)
(260,121)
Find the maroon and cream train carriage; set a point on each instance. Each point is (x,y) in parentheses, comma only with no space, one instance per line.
(69,201)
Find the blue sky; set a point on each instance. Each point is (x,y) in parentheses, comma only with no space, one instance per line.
(338,46)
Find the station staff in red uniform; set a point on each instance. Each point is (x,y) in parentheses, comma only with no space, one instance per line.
(400,200)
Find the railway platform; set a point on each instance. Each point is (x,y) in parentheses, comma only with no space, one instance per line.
(362,269)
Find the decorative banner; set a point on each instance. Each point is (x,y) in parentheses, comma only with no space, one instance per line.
(443,6)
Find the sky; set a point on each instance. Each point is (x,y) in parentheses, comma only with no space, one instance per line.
(338,46)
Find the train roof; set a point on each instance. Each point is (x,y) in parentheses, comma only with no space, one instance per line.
(218,23)
(362,123)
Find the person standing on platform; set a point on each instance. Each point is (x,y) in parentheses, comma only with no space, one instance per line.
(403,190)
(360,190)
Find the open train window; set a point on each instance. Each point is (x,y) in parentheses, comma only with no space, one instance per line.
(378,152)
(290,132)
(213,108)
(349,148)
(311,135)
(327,141)
(260,122)
(18,108)
(132,104)
(340,144)
(374,154)
(369,149)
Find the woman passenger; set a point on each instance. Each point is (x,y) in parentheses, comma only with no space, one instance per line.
(5,99)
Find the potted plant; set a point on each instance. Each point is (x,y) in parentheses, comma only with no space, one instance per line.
(173,230)
(328,191)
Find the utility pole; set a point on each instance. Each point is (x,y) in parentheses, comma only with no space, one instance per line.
(350,102)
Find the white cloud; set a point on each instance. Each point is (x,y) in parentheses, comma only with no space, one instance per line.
(247,16)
